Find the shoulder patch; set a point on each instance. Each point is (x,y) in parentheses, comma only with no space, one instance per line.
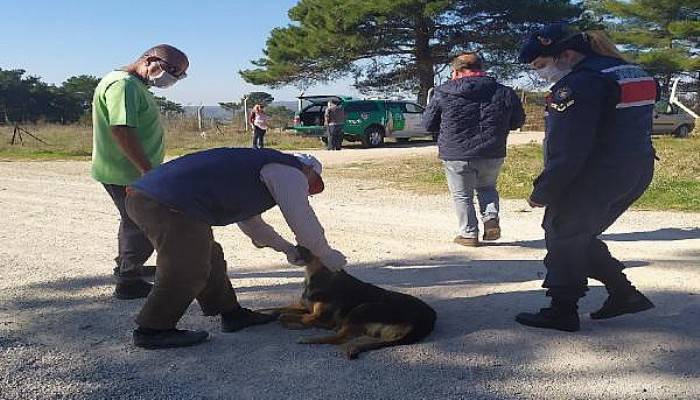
(562,94)
(562,99)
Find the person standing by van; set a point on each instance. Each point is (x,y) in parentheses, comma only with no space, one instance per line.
(334,121)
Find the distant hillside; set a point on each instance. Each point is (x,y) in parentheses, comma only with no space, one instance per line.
(209,112)
(224,115)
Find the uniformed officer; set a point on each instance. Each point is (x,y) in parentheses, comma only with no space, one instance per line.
(599,160)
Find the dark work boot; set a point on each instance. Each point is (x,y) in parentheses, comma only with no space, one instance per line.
(560,316)
(238,319)
(129,289)
(168,338)
(492,230)
(622,303)
(144,271)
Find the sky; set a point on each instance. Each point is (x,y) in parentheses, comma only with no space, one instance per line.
(57,39)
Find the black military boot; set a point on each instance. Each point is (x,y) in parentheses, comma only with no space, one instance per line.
(619,303)
(129,289)
(561,316)
(144,271)
(240,318)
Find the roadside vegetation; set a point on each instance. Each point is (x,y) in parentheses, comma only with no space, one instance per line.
(676,184)
(74,142)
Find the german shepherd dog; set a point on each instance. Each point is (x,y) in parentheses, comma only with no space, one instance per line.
(364,317)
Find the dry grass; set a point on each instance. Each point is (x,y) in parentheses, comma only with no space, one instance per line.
(676,184)
(75,141)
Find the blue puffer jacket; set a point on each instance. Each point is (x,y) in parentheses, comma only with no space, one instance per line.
(473,116)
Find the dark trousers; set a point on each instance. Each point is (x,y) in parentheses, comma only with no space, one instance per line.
(258,136)
(134,246)
(190,265)
(335,137)
(573,223)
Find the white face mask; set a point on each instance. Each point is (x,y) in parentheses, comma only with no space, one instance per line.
(162,80)
(552,73)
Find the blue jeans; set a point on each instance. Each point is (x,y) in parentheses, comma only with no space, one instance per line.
(465,177)
(258,137)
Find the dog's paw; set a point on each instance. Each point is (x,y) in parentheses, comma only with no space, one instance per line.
(291,321)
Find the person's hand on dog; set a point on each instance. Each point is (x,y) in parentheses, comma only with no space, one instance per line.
(334,260)
(294,257)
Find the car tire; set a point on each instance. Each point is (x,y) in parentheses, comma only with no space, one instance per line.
(374,137)
(682,131)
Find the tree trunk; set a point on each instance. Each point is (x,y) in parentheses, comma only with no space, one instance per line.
(424,60)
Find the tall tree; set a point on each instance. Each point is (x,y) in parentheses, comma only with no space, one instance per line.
(397,45)
(263,98)
(661,35)
(81,87)
(169,107)
(230,106)
(280,116)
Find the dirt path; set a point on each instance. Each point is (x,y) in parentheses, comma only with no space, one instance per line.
(355,152)
(62,335)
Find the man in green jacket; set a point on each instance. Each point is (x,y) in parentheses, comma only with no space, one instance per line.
(128,142)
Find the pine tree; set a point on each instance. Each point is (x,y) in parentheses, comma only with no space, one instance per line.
(661,35)
(397,45)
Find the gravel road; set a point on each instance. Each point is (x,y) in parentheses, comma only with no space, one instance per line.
(62,335)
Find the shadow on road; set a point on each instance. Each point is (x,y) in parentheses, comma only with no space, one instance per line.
(82,340)
(664,234)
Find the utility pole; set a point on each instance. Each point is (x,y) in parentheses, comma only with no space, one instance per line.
(199,120)
(245,111)
(301,94)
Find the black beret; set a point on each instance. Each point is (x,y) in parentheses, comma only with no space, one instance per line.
(552,40)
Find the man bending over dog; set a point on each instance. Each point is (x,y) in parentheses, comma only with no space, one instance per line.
(177,204)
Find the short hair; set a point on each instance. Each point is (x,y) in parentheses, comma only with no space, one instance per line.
(469,60)
(168,53)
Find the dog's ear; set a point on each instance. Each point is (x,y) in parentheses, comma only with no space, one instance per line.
(310,260)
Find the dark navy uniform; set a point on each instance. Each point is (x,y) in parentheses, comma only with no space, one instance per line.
(599,160)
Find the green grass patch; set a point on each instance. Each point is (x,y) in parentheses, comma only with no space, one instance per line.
(676,184)
(74,142)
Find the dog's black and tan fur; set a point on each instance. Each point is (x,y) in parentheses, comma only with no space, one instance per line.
(364,316)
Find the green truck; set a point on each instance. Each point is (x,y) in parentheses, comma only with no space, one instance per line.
(369,121)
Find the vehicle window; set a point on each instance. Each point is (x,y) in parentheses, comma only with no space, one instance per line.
(413,108)
(316,108)
(664,107)
(396,107)
(360,106)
